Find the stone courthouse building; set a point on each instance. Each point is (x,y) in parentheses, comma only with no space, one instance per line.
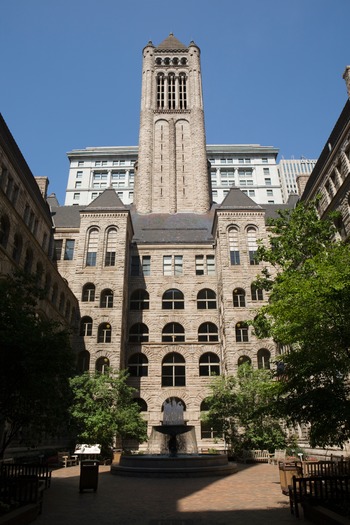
(165,285)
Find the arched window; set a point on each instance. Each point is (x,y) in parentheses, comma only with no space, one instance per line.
(252,244)
(139,300)
(242,333)
(138,365)
(209,364)
(67,312)
(160,91)
(39,272)
(173,333)
(61,303)
(85,326)
(106,298)
(173,370)
(28,261)
(173,300)
(102,365)
(264,358)
(207,431)
(111,246)
(54,294)
(208,332)
(88,294)
(17,247)
(92,245)
(138,333)
(234,245)
(244,359)
(83,363)
(257,293)
(238,298)
(4,230)
(182,91)
(104,334)
(47,284)
(206,299)
(141,404)
(174,400)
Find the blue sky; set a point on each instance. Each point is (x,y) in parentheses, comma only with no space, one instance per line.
(71,72)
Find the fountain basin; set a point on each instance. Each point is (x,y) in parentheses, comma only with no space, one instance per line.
(183,465)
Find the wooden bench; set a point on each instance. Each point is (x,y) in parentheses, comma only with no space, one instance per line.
(65,459)
(22,489)
(256,456)
(279,455)
(43,472)
(318,490)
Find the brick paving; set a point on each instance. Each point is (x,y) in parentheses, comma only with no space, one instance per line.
(252,496)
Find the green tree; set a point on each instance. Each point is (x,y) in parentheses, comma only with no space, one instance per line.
(104,409)
(308,313)
(36,362)
(240,410)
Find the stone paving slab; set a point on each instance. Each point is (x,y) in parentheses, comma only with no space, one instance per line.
(252,496)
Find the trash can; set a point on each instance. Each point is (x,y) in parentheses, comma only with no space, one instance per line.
(88,475)
(287,470)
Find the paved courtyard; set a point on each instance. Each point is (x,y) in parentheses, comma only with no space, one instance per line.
(252,496)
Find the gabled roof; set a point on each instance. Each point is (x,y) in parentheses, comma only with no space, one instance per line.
(171,44)
(108,200)
(236,199)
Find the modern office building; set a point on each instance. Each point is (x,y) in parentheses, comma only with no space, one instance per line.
(289,170)
(250,167)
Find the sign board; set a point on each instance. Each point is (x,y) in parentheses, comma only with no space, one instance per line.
(87,449)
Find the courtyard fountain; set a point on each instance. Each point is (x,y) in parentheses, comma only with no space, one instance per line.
(172,451)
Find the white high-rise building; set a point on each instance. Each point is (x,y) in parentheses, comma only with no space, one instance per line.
(250,167)
(289,170)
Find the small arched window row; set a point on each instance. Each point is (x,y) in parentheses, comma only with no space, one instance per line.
(208,333)
(174,61)
(209,364)
(173,299)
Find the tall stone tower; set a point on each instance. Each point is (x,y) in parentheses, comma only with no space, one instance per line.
(172,173)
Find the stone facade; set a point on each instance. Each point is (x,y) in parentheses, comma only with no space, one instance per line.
(178,273)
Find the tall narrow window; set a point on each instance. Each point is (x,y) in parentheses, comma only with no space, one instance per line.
(146,265)
(264,358)
(106,299)
(85,326)
(160,91)
(182,91)
(178,265)
(205,265)
(234,245)
(104,334)
(167,266)
(252,244)
(28,261)
(4,230)
(111,246)
(172,265)
(238,298)
(91,253)
(257,293)
(173,370)
(17,247)
(135,266)
(242,333)
(171,91)
(88,294)
(58,249)
(69,250)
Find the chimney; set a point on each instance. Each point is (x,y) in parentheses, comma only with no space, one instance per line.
(346,77)
(43,183)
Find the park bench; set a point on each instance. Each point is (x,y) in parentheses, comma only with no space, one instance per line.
(278,455)
(21,489)
(65,459)
(318,490)
(43,472)
(255,456)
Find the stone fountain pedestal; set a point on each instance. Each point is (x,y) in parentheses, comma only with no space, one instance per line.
(175,462)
